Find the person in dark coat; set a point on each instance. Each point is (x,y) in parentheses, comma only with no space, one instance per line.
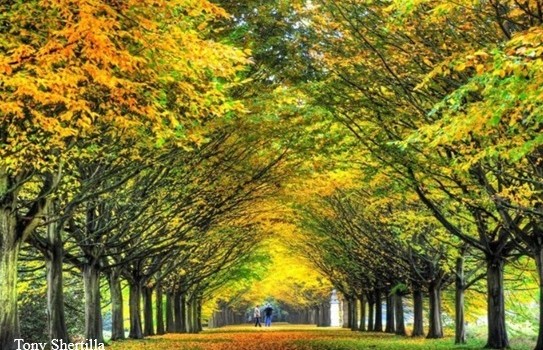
(268,314)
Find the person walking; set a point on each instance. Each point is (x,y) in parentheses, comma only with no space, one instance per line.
(256,314)
(268,314)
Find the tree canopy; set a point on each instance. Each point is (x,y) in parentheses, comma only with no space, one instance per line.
(188,159)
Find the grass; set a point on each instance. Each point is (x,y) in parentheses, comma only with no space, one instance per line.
(289,337)
(368,341)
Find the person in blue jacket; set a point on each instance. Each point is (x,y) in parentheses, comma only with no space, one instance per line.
(268,314)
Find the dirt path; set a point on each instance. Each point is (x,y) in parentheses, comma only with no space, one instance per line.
(291,337)
(279,337)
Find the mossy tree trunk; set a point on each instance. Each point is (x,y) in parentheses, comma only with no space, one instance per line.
(460,285)
(15,228)
(362,301)
(148,324)
(54,257)
(435,329)
(538,255)
(348,314)
(9,322)
(170,325)
(399,314)
(183,317)
(354,321)
(390,326)
(371,313)
(134,305)
(117,312)
(418,321)
(378,311)
(160,329)
(93,308)
(497,333)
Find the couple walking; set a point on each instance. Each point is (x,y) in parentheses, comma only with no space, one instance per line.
(268,313)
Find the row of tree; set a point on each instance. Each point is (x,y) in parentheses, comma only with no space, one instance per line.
(124,156)
(375,254)
(126,152)
(444,100)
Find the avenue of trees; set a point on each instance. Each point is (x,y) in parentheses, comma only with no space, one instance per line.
(443,98)
(153,146)
(125,156)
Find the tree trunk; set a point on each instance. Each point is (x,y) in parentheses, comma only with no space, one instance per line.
(211,323)
(148,325)
(183,316)
(362,326)
(93,309)
(159,312)
(135,310)
(55,292)
(378,312)
(9,322)
(435,330)
(222,320)
(217,319)
(170,325)
(178,315)
(193,317)
(14,229)
(10,245)
(194,313)
(418,322)
(349,314)
(371,313)
(400,322)
(327,315)
(497,333)
(459,322)
(199,316)
(190,316)
(117,314)
(323,315)
(390,328)
(538,255)
(354,324)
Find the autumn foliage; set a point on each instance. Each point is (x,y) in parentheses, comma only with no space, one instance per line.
(178,161)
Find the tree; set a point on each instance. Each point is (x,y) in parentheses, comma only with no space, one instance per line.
(101,75)
(376,56)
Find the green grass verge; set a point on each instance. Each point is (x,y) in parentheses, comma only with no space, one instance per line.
(389,342)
